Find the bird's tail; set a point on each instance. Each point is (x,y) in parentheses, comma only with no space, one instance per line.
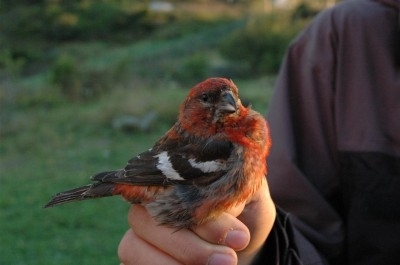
(96,190)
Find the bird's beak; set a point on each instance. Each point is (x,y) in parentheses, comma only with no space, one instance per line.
(227,103)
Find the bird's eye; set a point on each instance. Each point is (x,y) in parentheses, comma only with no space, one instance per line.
(205,97)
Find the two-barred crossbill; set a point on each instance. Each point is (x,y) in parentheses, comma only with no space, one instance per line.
(211,159)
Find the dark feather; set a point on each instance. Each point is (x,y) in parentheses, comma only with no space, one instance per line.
(85,192)
(144,166)
(215,149)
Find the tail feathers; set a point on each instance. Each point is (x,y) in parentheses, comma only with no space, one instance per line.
(91,191)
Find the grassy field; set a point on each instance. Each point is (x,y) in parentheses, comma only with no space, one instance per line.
(49,144)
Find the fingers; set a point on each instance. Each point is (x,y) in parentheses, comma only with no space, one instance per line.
(225,230)
(182,245)
(133,250)
(247,233)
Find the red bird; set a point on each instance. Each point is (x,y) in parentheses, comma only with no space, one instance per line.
(212,158)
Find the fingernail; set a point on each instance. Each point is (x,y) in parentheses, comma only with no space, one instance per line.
(237,239)
(221,259)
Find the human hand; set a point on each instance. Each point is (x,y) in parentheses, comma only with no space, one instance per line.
(233,238)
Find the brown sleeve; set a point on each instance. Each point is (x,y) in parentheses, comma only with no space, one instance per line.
(302,164)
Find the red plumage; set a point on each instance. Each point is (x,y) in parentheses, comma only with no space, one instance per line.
(212,158)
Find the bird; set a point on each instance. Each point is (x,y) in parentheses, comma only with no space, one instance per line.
(211,159)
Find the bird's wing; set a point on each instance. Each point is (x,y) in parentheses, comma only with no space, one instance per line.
(193,161)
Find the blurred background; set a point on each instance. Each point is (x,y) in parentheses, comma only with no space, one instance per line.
(86,85)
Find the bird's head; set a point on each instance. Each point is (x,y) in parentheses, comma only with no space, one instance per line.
(209,104)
